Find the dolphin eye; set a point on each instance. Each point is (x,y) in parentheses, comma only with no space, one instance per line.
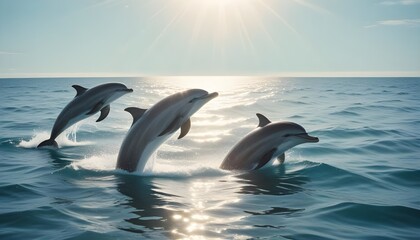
(287,135)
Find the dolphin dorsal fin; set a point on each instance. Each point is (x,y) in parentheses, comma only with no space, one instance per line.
(263,120)
(79,89)
(185,128)
(136,113)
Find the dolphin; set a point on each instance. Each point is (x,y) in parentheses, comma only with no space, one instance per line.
(151,127)
(86,103)
(268,142)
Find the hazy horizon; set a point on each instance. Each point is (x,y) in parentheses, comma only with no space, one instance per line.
(283,75)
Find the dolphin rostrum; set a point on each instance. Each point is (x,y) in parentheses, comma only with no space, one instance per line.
(268,142)
(86,103)
(151,127)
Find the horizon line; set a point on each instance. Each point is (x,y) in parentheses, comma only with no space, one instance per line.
(344,74)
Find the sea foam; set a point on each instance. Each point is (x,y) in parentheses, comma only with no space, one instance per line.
(159,168)
(66,139)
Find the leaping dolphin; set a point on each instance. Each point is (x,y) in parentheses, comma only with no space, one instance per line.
(151,127)
(86,103)
(268,142)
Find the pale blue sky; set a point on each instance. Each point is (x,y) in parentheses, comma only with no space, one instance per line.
(209,37)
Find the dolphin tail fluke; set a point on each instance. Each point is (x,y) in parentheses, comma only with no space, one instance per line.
(48,143)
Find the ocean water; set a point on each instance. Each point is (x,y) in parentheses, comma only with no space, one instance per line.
(361,181)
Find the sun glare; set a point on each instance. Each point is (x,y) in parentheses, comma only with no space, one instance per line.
(210,83)
(215,27)
(221,24)
(221,2)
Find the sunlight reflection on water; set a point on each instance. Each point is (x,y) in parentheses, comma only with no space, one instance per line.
(194,221)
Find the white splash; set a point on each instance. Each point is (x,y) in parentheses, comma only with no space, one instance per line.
(101,162)
(107,163)
(64,140)
(187,170)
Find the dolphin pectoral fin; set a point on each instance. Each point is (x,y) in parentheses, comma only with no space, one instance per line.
(263,120)
(96,108)
(136,113)
(281,158)
(104,113)
(185,128)
(265,159)
(79,89)
(171,128)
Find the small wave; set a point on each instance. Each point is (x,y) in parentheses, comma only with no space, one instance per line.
(345,113)
(368,147)
(394,146)
(389,101)
(322,173)
(402,177)
(326,149)
(355,109)
(60,91)
(295,102)
(396,109)
(16,191)
(64,140)
(294,166)
(360,214)
(349,94)
(344,133)
(296,117)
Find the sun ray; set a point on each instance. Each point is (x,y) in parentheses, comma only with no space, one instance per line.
(101,3)
(244,30)
(222,25)
(201,14)
(159,11)
(272,11)
(311,6)
(173,20)
(259,22)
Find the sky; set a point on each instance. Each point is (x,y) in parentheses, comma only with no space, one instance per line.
(209,37)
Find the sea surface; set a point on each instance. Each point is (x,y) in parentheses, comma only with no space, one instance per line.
(361,181)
